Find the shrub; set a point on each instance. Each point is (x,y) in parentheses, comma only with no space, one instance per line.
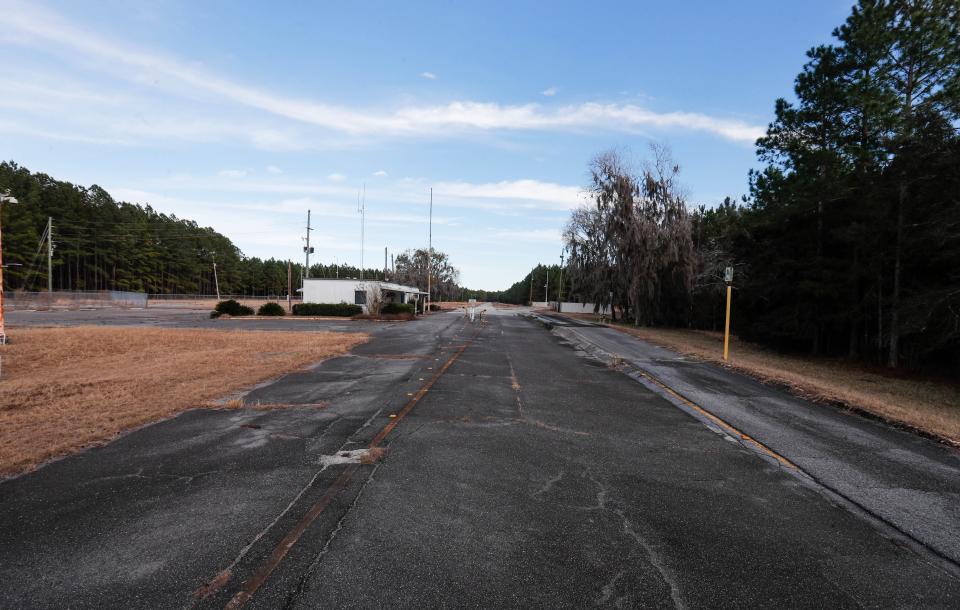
(271,309)
(233,308)
(344,310)
(396,308)
(434,307)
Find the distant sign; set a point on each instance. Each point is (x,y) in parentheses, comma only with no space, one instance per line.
(472,301)
(728,275)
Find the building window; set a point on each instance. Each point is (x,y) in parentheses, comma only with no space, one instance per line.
(360,297)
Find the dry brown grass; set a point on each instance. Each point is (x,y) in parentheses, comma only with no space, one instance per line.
(66,388)
(929,406)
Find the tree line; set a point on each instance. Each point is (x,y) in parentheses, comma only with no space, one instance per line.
(848,243)
(104,244)
(542,283)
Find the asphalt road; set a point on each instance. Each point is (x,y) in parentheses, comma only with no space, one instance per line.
(908,481)
(519,472)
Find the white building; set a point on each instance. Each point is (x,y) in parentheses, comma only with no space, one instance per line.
(354,292)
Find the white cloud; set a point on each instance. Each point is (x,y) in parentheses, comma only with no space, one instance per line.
(273,169)
(505,198)
(232,173)
(28,24)
(532,193)
(380,173)
(335,177)
(550,91)
(428,75)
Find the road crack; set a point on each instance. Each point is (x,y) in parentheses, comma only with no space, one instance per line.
(650,551)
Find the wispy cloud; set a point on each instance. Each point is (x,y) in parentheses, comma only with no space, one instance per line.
(273,169)
(525,193)
(507,197)
(549,92)
(380,174)
(428,75)
(30,25)
(335,177)
(232,173)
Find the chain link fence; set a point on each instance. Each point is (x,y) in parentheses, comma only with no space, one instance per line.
(80,299)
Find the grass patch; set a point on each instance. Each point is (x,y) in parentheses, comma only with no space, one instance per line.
(930,406)
(63,389)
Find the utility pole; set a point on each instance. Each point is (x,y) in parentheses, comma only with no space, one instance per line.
(430,252)
(384,263)
(50,255)
(530,300)
(216,282)
(307,249)
(289,287)
(546,288)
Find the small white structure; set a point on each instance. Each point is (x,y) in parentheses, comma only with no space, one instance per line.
(354,292)
(567,307)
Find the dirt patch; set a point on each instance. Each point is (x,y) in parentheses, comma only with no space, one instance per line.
(373,455)
(928,406)
(63,389)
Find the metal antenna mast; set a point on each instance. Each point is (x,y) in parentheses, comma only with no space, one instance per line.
(430,254)
(362,208)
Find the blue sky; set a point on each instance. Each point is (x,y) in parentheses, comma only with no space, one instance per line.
(243,115)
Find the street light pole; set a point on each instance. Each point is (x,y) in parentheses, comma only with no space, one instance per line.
(4,198)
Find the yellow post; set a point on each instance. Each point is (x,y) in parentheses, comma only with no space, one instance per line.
(726,327)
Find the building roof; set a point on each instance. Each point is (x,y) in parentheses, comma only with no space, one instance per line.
(383,285)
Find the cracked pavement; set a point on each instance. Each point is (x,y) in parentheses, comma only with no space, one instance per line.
(528,475)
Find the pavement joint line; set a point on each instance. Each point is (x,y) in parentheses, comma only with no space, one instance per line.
(947,563)
(717,421)
(267,568)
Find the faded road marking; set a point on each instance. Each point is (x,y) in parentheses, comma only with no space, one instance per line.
(293,536)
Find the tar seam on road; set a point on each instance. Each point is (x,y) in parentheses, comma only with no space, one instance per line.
(949,564)
(280,551)
(717,421)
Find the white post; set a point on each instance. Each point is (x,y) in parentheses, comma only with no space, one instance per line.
(216,282)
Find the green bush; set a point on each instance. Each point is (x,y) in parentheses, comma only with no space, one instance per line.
(397,308)
(271,309)
(232,308)
(344,310)
(434,307)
